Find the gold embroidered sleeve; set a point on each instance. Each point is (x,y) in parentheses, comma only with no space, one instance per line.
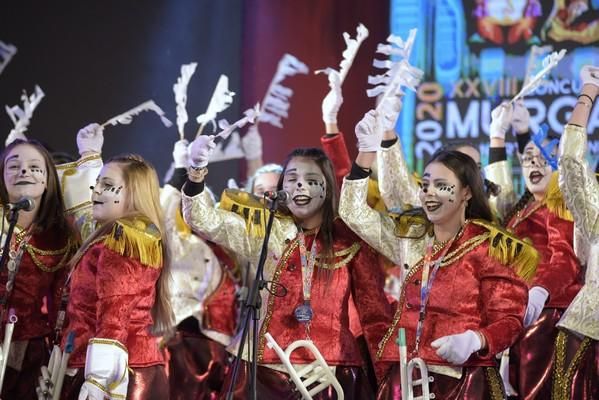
(398,187)
(578,183)
(229,229)
(75,181)
(500,173)
(374,228)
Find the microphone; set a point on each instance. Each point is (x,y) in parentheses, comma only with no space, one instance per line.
(25,204)
(280,195)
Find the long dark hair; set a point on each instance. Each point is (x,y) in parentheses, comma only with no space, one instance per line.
(51,211)
(330,204)
(468,173)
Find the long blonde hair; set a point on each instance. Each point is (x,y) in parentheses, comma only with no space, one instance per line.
(143,199)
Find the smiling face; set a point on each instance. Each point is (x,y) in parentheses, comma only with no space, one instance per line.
(25,173)
(305,182)
(442,195)
(266,182)
(536,170)
(109,196)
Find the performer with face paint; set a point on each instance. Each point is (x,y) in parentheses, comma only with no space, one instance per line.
(118,287)
(40,250)
(461,300)
(314,262)
(576,369)
(541,216)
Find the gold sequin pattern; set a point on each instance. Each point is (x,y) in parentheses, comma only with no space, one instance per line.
(562,376)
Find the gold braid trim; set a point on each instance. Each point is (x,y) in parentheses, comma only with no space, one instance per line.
(495,384)
(110,342)
(138,238)
(75,164)
(271,299)
(509,250)
(554,199)
(249,207)
(65,252)
(562,378)
(348,254)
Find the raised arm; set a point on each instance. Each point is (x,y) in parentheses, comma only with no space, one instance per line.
(577,181)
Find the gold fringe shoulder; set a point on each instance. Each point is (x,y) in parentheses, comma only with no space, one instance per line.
(554,199)
(138,238)
(249,207)
(510,250)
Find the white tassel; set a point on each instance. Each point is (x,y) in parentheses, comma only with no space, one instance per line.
(221,100)
(349,54)
(126,117)
(549,63)
(7,52)
(22,116)
(275,105)
(180,89)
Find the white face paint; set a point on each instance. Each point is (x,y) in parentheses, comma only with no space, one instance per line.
(109,196)
(25,173)
(266,182)
(306,186)
(442,195)
(535,169)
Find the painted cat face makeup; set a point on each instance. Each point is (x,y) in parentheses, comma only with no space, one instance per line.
(109,195)
(25,173)
(442,196)
(535,169)
(306,185)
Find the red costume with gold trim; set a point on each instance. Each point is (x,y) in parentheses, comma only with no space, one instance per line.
(41,275)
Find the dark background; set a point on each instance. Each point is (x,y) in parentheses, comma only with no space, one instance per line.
(97,59)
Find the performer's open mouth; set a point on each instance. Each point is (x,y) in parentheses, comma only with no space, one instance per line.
(535,177)
(432,206)
(302,200)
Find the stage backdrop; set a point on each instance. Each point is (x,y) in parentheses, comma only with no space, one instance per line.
(475,54)
(95,60)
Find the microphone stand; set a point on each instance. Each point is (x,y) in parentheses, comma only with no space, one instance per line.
(252,307)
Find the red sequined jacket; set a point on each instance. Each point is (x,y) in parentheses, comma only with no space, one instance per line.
(112,293)
(41,275)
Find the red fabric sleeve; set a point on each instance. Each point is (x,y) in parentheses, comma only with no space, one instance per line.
(375,311)
(122,283)
(336,149)
(504,298)
(559,272)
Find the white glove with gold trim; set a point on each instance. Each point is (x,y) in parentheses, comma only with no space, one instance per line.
(106,370)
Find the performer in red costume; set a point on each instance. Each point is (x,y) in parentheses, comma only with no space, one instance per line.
(118,292)
(40,249)
(315,258)
(203,298)
(540,215)
(462,300)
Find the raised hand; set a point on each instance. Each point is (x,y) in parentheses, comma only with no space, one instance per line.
(90,139)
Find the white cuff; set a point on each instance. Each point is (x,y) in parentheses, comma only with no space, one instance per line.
(106,370)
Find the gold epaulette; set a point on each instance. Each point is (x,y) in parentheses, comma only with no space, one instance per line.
(138,238)
(509,250)
(182,228)
(554,199)
(373,198)
(250,208)
(411,224)
(341,257)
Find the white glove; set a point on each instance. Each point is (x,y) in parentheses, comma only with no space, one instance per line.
(590,75)
(369,132)
(106,370)
(501,117)
(457,348)
(389,110)
(180,154)
(14,135)
(251,144)
(200,150)
(520,117)
(537,296)
(232,184)
(333,100)
(90,139)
